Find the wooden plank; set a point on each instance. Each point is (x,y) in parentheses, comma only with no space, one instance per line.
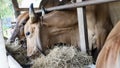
(15,6)
(78,4)
(3,56)
(82,29)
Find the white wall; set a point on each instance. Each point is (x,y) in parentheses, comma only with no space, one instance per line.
(3,57)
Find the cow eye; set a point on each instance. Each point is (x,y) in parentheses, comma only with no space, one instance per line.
(28,33)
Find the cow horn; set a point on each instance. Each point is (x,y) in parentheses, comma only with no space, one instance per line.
(31,11)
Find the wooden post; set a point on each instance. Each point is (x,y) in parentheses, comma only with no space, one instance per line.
(16,7)
(82,29)
(3,56)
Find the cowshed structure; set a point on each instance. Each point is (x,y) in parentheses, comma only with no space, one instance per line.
(82,22)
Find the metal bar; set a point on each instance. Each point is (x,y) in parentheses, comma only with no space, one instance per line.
(79,4)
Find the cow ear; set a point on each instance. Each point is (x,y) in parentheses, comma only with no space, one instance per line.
(32,14)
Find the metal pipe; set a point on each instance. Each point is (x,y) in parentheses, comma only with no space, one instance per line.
(78,4)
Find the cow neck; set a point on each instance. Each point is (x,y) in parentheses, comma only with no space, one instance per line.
(38,41)
(56,31)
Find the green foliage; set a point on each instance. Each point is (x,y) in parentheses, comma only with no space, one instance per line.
(19,1)
(6,9)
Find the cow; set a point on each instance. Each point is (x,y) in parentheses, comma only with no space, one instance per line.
(19,28)
(56,26)
(103,25)
(109,56)
(22,19)
(95,24)
(99,26)
(50,23)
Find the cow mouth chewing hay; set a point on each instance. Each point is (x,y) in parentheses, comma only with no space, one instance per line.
(63,57)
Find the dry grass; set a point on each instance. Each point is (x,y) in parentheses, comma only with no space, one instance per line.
(63,57)
(17,51)
(59,57)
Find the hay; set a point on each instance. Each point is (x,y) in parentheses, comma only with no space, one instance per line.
(114,9)
(63,57)
(12,46)
(17,51)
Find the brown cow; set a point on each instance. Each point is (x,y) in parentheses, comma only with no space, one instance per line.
(49,27)
(22,19)
(18,31)
(99,26)
(103,25)
(110,54)
(56,26)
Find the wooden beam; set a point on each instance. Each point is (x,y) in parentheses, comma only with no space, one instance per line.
(82,28)
(15,6)
(78,4)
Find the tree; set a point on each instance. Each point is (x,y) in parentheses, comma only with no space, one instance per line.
(6,9)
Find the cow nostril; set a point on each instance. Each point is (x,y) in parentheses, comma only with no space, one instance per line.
(27,58)
(28,33)
(21,41)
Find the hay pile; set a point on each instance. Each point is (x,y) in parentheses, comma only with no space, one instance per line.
(12,46)
(63,57)
(17,51)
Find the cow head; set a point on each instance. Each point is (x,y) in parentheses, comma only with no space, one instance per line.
(39,32)
(19,28)
(32,33)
